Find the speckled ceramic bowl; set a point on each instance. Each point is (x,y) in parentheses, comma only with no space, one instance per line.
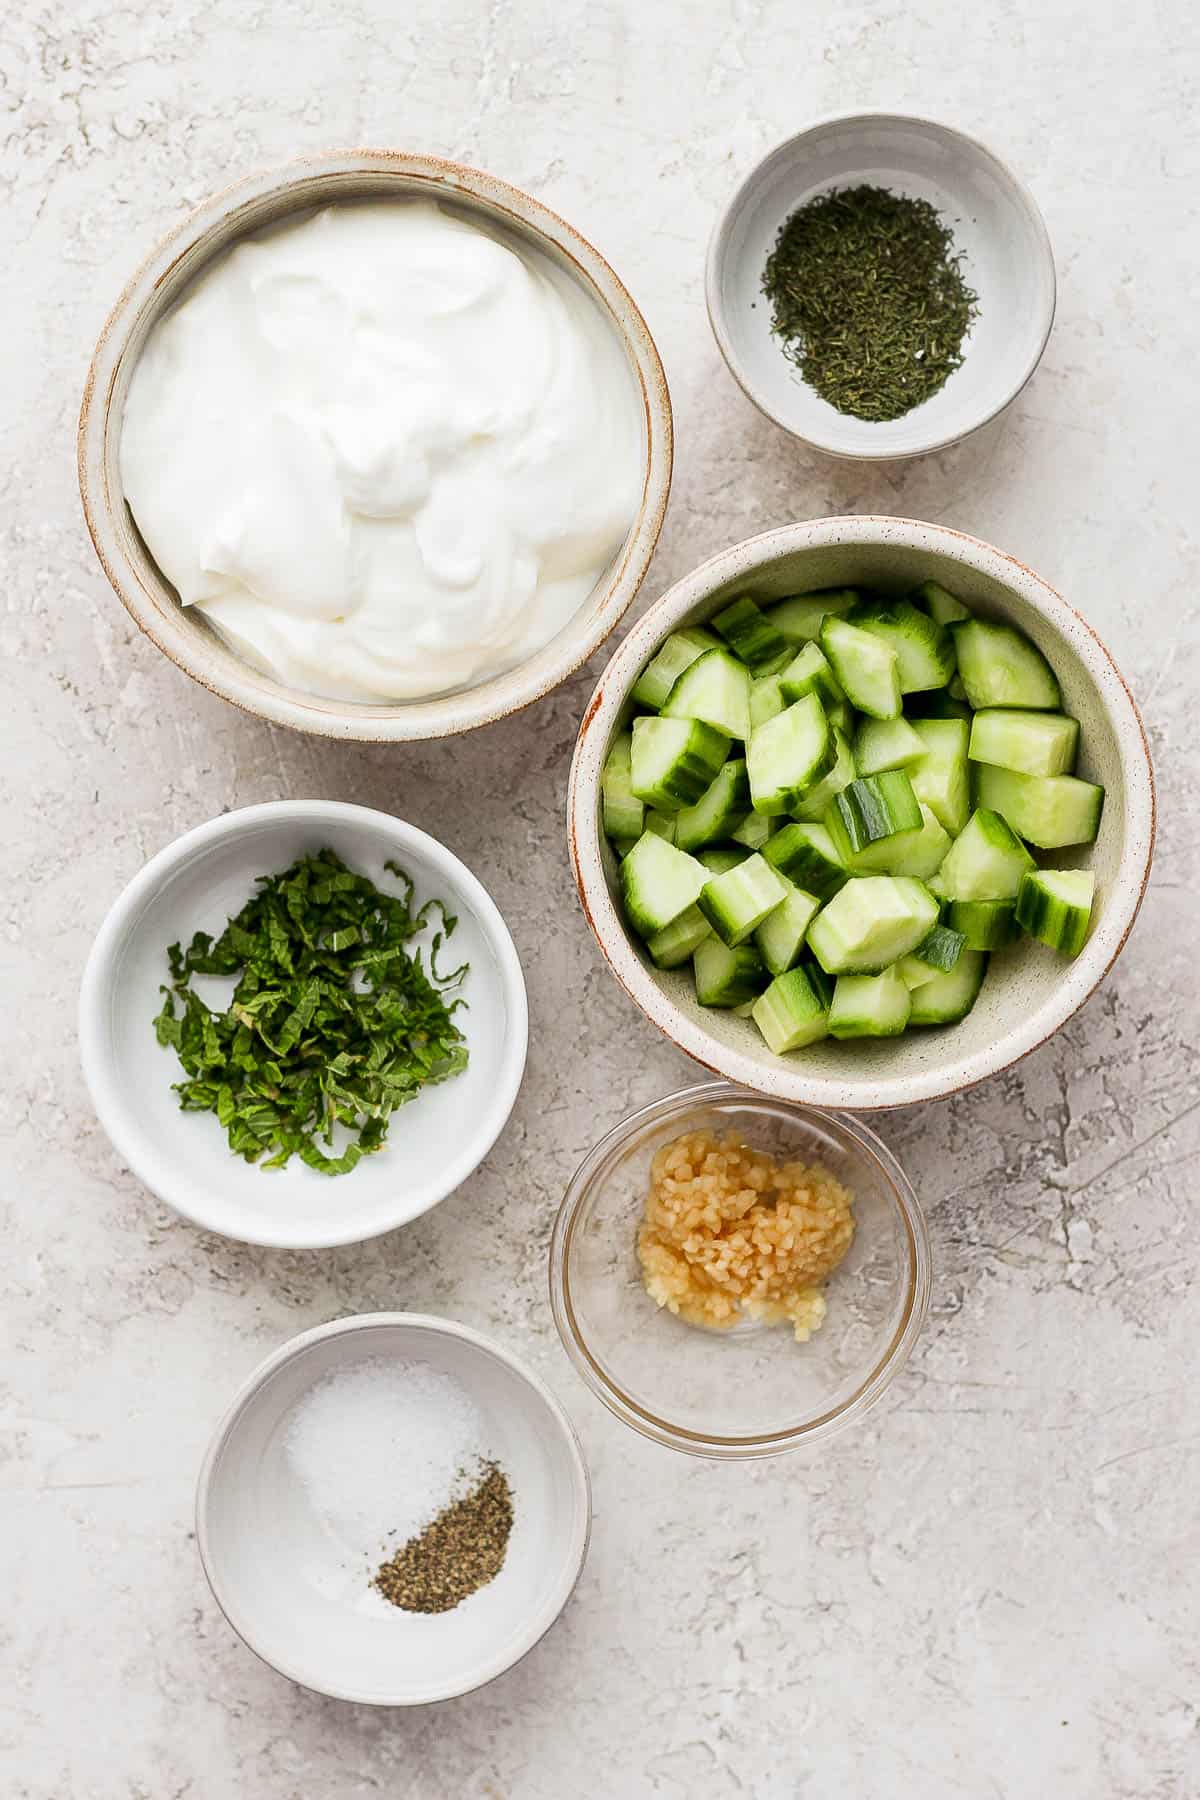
(1007,260)
(249,206)
(1029,991)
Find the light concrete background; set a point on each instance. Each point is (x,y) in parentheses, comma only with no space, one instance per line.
(990,1590)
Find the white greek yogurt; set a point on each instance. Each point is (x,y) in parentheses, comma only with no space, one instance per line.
(386,453)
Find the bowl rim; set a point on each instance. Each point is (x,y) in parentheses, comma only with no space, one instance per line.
(718,244)
(260,695)
(99,976)
(578,1538)
(780,1080)
(918,1285)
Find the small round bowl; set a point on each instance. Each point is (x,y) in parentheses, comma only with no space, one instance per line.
(1029,991)
(996,222)
(197,883)
(249,206)
(753,1391)
(272,1564)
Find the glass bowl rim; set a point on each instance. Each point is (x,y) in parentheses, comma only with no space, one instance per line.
(916,1273)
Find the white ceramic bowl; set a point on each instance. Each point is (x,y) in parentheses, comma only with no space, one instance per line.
(995,220)
(1029,991)
(268,1556)
(249,206)
(434,1142)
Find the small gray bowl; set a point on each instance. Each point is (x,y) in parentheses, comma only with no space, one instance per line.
(996,222)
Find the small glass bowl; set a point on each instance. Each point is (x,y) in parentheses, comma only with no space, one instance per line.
(751,1391)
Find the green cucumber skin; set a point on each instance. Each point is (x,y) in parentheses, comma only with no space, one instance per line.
(941,949)
(675,654)
(750,633)
(623,815)
(870,1006)
(923,649)
(791,1014)
(692,765)
(718,811)
(809,673)
(877,806)
(805,854)
(727,977)
(983,924)
(949,997)
(1062,925)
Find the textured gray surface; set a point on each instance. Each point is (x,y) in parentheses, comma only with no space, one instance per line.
(988,1591)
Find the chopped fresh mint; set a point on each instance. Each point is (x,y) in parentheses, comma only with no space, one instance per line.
(332,1022)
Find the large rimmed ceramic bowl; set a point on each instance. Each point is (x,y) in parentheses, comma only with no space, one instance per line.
(1030,991)
(249,206)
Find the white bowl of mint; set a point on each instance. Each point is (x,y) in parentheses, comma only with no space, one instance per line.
(303,1024)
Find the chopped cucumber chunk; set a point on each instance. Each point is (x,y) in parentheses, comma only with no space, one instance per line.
(1055,906)
(949,997)
(865,666)
(806,855)
(727,977)
(941,778)
(716,690)
(870,1005)
(914,974)
(809,673)
(766,699)
(780,937)
(1001,667)
(788,755)
(622,813)
(721,857)
(918,852)
(799,619)
(678,942)
(754,831)
(750,634)
(811,810)
(674,760)
(1033,743)
(871,922)
(877,806)
(792,1013)
(1050,811)
(923,649)
(985,924)
(718,811)
(986,861)
(674,655)
(658,882)
(739,900)
(940,603)
(886,744)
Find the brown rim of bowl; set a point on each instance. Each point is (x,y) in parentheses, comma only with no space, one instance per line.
(819,528)
(316,714)
(757,1444)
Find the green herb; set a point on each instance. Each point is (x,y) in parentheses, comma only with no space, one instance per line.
(332,1022)
(459,1552)
(868,298)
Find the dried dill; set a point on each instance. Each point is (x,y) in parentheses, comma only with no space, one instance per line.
(868,299)
(333,1023)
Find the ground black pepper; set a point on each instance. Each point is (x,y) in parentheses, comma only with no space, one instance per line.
(462,1550)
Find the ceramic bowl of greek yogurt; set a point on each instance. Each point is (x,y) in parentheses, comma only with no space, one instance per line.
(375,446)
